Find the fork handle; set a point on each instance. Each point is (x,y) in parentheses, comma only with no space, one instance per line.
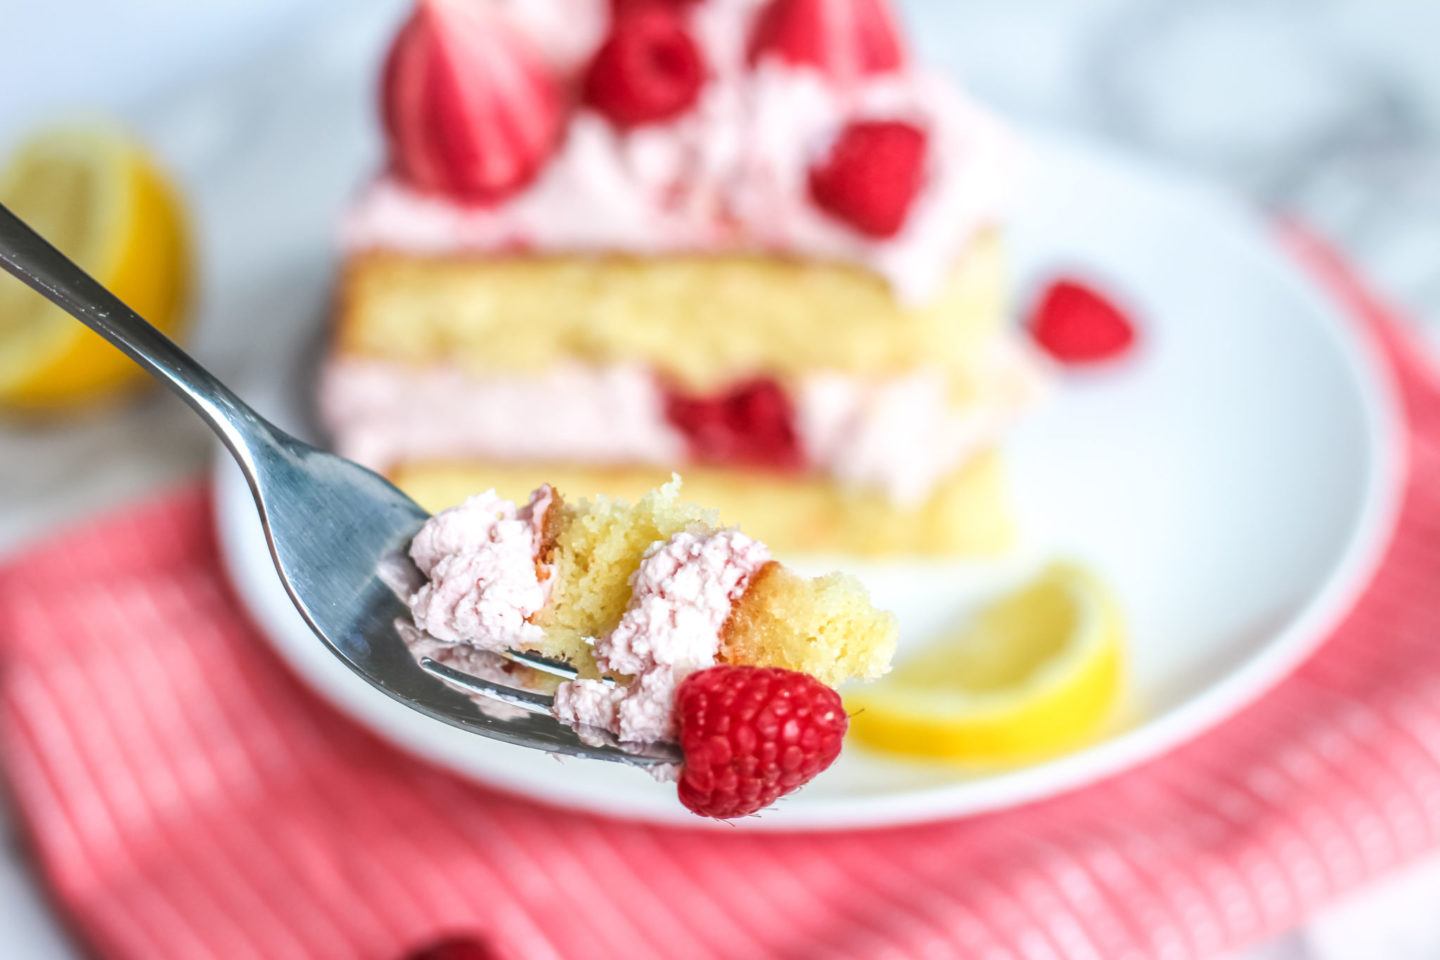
(32,259)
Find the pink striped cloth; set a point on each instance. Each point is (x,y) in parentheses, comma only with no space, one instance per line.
(188,799)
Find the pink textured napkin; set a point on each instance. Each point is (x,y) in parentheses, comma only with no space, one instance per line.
(188,799)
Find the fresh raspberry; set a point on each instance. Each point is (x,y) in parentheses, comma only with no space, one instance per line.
(649,69)
(470,108)
(846,40)
(1077,325)
(752,425)
(454,948)
(750,735)
(871,176)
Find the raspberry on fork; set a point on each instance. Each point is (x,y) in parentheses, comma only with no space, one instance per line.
(750,735)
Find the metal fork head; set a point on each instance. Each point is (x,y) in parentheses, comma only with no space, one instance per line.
(340,536)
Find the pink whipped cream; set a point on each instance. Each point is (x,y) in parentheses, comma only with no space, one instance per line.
(382,413)
(484,582)
(900,436)
(730,174)
(681,596)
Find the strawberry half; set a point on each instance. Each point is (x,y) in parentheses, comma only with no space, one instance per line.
(648,70)
(469,105)
(871,176)
(750,735)
(1077,325)
(845,40)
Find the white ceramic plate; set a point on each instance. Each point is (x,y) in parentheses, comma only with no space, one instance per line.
(1235,481)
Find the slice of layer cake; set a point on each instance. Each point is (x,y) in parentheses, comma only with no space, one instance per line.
(744,240)
(643,595)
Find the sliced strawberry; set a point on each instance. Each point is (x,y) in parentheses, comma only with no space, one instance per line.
(846,40)
(752,424)
(871,176)
(648,70)
(1077,325)
(470,107)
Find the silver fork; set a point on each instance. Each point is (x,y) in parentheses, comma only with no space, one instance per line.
(338,532)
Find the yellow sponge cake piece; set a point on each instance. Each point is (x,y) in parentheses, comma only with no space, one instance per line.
(699,321)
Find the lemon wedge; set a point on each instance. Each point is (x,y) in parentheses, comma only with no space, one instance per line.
(1031,675)
(96,195)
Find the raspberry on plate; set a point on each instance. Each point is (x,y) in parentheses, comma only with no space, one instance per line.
(1076,324)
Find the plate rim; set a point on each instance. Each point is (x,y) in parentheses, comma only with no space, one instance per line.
(1348,575)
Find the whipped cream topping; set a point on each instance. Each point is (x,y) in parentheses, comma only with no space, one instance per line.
(681,596)
(729,174)
(900,436)
(484,581)
(383,413)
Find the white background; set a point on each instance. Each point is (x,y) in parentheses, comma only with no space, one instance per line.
(1326,108)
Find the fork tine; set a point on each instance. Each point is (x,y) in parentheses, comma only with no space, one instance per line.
(515,697)
(600,744)
(555,668)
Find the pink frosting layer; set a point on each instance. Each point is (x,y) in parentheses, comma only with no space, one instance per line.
(681,595)
(383,413)
(731,173)
(484,584)
(901,437)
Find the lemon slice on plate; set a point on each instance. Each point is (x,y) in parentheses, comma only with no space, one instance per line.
(96,195)
(1031,675)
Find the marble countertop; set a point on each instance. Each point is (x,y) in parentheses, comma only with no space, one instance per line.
(1327,110)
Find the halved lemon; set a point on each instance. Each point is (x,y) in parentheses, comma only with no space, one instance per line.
(95,194)
(1029,676)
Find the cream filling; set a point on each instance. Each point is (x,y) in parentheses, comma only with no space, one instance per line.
(681,595)
(483,584)
(901,437)
(383,413)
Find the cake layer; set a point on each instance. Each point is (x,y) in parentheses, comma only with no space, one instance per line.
(700,321)
(967,515)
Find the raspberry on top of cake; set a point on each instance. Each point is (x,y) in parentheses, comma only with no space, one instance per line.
(640,598)
(750,240)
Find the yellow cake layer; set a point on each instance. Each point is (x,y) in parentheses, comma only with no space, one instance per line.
(825,626)
(967,516)
(702,320)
